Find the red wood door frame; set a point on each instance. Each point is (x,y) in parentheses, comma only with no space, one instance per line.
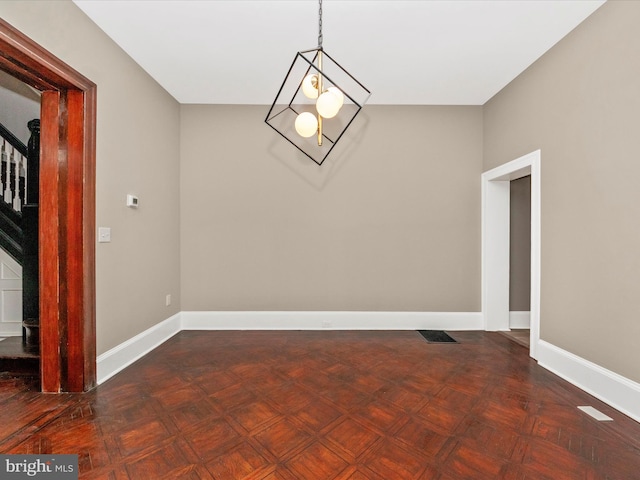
(67,211)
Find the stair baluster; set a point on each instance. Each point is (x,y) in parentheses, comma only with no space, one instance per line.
(22,185)
(11,176)
(15,188)
(4,168)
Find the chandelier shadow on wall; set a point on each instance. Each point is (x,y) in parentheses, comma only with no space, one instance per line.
(317,102)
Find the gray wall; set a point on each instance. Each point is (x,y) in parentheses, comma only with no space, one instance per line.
(18,105)
(579,104)
(520,245)
(137,152)
(391,224)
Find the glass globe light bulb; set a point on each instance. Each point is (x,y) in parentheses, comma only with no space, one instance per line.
(310,86)
(328,105)
(306,124)
(336,91)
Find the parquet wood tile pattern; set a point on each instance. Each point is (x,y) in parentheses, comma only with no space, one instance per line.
(326,406)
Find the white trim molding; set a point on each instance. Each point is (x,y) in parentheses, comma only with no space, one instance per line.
(520,319)
(613,389)
(211,320)
(123,355)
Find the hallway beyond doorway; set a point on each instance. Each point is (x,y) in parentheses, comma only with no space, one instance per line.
(519,335)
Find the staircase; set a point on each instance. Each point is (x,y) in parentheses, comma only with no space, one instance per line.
(19,197)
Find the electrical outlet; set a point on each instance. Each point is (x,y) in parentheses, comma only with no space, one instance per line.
(168,300)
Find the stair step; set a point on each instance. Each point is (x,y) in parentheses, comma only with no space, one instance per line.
(14,347)
(19,358)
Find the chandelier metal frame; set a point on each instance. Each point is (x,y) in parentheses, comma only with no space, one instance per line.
(316,69)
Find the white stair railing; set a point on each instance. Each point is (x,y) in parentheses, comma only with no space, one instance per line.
(13,175)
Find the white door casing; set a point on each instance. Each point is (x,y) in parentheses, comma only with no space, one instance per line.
(495,244)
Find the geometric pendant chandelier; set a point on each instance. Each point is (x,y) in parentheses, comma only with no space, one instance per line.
(317,102)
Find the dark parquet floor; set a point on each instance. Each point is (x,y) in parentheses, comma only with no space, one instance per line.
(323,406)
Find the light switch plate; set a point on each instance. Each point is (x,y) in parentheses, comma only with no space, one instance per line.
(104,234)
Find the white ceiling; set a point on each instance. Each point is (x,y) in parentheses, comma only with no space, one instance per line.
(450,52)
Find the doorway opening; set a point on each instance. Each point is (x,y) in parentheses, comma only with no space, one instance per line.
(19,299)
(496,240)
(67,211)
(520,261)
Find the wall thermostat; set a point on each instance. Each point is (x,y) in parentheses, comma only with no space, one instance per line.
(132,201)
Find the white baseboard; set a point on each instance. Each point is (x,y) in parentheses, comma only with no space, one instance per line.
(123,355)
(332,321)
(613,389)
(519,319)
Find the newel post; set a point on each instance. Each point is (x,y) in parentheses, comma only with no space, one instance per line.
(30,266)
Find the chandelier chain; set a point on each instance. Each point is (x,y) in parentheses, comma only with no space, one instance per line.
(320,24)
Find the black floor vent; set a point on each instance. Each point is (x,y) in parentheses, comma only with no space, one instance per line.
(436,336)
